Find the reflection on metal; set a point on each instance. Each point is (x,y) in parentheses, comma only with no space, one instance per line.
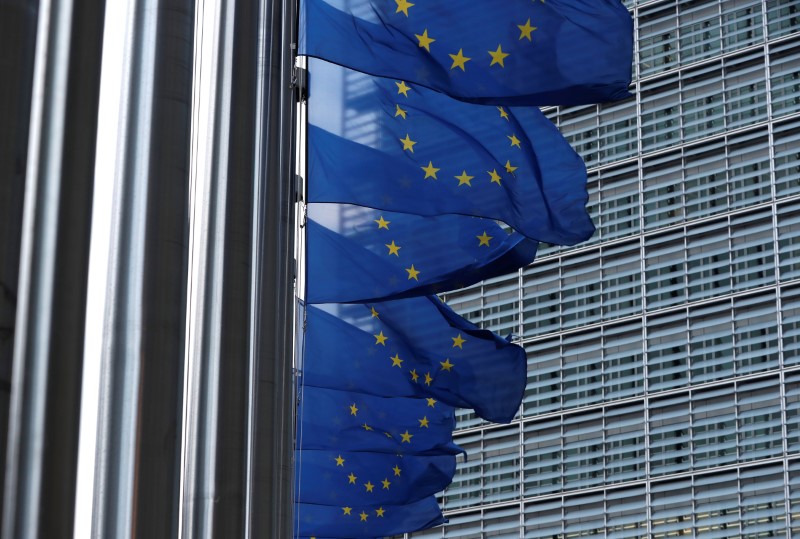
(237,410)
(48,346)
(139,422)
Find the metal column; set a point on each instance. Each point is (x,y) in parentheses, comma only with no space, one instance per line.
(48,339)
(235,462)
(139,423)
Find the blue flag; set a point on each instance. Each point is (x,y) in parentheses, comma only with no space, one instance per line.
(558,52)
(421,152)
(365,478)
(365,521)
(332,420)
(414,347)
(361,254)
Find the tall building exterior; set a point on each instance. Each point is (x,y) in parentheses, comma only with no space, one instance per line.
(663,394)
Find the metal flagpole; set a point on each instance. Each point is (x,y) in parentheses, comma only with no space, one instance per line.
(48,338)
(139,418)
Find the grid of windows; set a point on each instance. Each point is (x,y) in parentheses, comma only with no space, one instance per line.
(663,391)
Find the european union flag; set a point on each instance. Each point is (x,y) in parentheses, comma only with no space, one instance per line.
(368,466)
(351,421)
(414,347)
(360,254)
(365,521)
(409,149)
(558,52)
(341,477)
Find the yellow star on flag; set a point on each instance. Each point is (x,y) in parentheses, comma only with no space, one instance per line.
(525,30)
(369,486)
(414,375)
(394,249)
(498,56)
(430,171)
(510,168)
(459,60)
(514,141)
(423,423)
(408,144)
(464,179)
(339,461)
(382,223)
(396,361)
(458,341)
(406,437)
(503,113)
(402,88)
(347,510)
(366,427)
(446,365)
(353,409)
(412,273)
(484,239)
(428,379)
(380,338)
(352,478)
(494,176)
(374,312)
(386,483)
(424,40)
(403,5)
(398,111)
(380,511)
(363,516)
(431,402)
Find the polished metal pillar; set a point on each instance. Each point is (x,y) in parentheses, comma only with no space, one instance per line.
(271,425)
(139,423)
(236,479)
(48,337)
(17,47)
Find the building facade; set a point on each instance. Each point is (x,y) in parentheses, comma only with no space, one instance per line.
(663,394)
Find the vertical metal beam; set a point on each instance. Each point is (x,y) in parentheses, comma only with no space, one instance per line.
(48,346)
(240,253)
(17,46)
(139,423)
(272,408)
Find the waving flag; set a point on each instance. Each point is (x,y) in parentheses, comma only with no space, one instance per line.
(361,254)
(558,52)
(421,152)
(414,347)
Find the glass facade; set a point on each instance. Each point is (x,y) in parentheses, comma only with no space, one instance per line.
(663,394)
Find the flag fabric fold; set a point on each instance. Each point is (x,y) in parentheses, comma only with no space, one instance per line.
(414,347)
(357,254)
(357,521)
(336,477)
(428,154)
(523,52)
(352,421)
